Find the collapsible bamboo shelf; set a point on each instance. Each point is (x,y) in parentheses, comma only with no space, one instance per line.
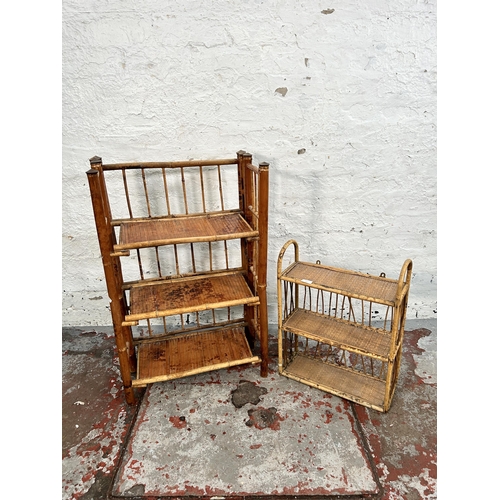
(341,331)
(184,250)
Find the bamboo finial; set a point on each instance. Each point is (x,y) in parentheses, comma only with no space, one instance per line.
(95,159)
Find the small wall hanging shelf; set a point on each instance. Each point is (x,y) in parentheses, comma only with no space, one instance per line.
(328,333)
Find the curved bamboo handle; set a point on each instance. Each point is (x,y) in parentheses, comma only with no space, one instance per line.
(282,253)
(405,276)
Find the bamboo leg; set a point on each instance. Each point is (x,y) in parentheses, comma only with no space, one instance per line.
(280,326)
(112,272)
(262,264)
(388,384)
(249,247)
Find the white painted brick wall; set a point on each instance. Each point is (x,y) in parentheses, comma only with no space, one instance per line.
(339,98)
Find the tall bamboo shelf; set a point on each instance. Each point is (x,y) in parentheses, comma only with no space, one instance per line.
(184,250)
(341,331)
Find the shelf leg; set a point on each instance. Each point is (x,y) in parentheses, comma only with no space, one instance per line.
(264,334)
(113,275)
(263,209)
(130,396)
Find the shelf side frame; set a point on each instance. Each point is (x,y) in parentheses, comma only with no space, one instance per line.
(279,287)
(113,275)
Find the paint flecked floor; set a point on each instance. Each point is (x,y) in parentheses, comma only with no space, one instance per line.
(191,440)
(194,437)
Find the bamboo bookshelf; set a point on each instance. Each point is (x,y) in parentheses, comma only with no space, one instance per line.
(184,250)
(341,331)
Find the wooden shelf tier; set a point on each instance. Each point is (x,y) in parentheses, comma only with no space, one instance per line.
(190,354)
(185,295)
(176,230)
(365,340)
(341,382)
(350,283)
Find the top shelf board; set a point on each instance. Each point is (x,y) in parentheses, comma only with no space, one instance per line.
(176,230)
(354,284)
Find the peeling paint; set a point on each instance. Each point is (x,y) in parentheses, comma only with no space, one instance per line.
(238,459)
(405,449)
(318,455)
(93,434)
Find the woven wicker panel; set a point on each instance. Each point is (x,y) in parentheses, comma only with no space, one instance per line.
(194,353)
(182,230)
(341,334)
(357,285)
(339,381)
(188,295)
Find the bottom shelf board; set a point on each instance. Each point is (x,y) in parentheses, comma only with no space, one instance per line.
(192,353)
(339,381)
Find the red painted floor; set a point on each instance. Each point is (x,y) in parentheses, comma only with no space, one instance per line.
(98,426)
(403,441)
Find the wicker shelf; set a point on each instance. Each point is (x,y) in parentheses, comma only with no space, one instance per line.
(368,341)
(190,354)
(347,384)
(327,336)
(186,295)
(197,301)
(348,283)
(177,230)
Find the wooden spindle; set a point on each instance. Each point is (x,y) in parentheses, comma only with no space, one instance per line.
(351,311)
(139,264)
(146,194)
(165,187)
(221,193)
(184,193)
(202,187)
(176,258)
(158,261)
(193,260)
(127,196)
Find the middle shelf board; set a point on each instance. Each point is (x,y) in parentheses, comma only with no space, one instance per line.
(186,295)
(191,354)
(343,334)
(177,230)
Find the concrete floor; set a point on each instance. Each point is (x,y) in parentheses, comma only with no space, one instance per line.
(232,434)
